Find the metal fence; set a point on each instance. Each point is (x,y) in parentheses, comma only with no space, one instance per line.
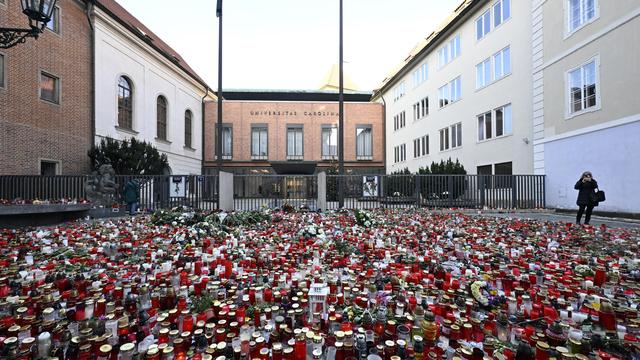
(438,191)
(252,192)
(156,191)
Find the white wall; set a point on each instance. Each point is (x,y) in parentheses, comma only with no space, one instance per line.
(514,89)
(120,53)
(610,154)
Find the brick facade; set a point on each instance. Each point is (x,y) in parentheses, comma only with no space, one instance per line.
(32,129)
(277,115)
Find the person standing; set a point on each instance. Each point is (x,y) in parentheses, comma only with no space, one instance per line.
(586,187)
(132,196)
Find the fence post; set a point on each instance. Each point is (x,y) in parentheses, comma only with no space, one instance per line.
(450,189)
(225,195)
(514,191)
(321,203)
(417,190)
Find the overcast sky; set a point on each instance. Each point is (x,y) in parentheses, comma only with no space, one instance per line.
(291,44)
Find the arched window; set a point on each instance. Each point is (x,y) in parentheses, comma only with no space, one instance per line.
(125,103)
(187,128)
(161,120)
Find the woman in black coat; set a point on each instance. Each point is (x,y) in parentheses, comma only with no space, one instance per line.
(586,187)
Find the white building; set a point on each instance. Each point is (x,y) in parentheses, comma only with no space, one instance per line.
(586,108)
(464,93)
(144,89)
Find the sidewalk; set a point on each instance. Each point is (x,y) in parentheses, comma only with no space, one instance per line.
(551,215)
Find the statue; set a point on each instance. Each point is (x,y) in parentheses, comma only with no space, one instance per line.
(101,186)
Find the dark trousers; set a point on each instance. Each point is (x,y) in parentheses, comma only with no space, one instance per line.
(587,215)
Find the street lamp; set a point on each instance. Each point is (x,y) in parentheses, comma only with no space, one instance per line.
(39,13)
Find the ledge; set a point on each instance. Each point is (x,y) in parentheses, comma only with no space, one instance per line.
(42,209)
(125,130)
(189,148)
(163,141)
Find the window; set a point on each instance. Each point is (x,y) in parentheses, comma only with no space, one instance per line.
(493,68)
(502,63)
(483,25)
(580,13)
(451,137)
(421,146)
(449,51)
(188,116)
(329,142)
(450,92)
(495,123)
(505,181)
(49,168)
(227,142)
(49,88)
(259,142)
(161,118)
(501,12)
(583,88)
(483,74)
(421,75)
(2,71)
(125,103)
(364,142)
(294,143)
(399,121)
(400,153)
(399,91)
(421,109)
(54,23)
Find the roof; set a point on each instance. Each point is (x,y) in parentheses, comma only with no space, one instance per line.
(294,95)
(136,27)
(331,80)
(426,45)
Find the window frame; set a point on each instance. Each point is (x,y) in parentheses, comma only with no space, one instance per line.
(420,75)
(3,71)
(569,113)
(502,18)
(259,127)
(369,127)
(491,61)
(567,8)
(56,16)
(58,87)
(494,123)
(481,20)
(166,119)
(58,164)
(188,145)
(131,97)
(330,127)
(450,51)
(215,148)
(289,156)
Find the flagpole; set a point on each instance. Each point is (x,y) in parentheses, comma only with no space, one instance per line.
(341,120)
(219,126)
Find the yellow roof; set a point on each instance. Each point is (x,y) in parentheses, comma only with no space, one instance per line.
(331,81)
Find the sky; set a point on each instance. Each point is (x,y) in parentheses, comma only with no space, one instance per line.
(292,44)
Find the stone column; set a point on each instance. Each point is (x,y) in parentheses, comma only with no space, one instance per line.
(322,191)
(226,191)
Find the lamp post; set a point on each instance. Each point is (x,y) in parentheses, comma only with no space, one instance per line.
(341,121)
(39,13)
(219,125)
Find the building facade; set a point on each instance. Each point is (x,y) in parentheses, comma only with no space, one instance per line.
(586,110)
(463,93)
(261,128)
(144,89)
(45,94)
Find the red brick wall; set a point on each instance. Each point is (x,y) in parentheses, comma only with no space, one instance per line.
(32,129)
(239,114)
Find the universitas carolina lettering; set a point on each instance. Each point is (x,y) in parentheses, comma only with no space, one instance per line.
(293,113)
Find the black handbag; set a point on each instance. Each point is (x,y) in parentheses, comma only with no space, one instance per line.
(600,197)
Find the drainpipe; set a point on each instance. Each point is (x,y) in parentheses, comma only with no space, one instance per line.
(90,7)
(384,132)
(203,134)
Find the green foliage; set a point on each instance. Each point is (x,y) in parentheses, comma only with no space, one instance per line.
(202,303)
(128,157)
(443,168)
